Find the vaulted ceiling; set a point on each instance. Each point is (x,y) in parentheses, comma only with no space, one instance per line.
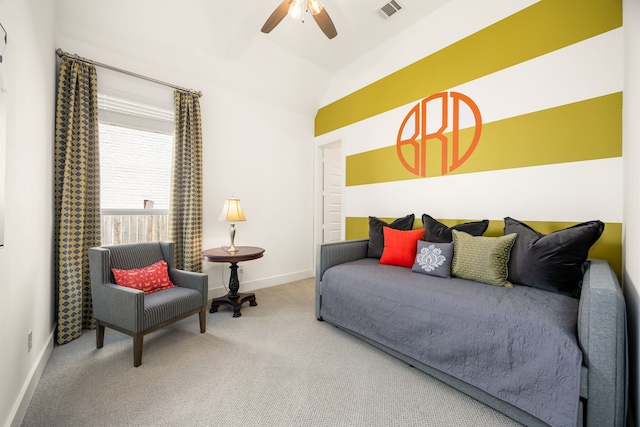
(359,24)
(220,42)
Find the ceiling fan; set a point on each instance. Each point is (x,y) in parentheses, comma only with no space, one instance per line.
(296,9)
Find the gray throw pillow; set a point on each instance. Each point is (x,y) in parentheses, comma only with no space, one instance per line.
(376,236)
(435,231)
(553,262)
(433,259)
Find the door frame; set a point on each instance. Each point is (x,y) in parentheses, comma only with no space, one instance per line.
(318,188)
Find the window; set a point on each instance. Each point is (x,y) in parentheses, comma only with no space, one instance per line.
(136,144)
(135,166)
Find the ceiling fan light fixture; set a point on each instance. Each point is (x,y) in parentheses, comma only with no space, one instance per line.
(296,9)
(314,6)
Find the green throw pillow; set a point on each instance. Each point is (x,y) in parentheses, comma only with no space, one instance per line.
(483,259)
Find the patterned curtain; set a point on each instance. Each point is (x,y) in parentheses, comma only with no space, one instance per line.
(77,195)
(185,218)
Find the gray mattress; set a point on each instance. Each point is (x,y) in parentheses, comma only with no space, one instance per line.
(516,344)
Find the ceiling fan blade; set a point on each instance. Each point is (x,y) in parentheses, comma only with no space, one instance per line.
(325,23)
(277,16)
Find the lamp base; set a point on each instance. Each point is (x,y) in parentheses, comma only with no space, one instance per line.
(232,234)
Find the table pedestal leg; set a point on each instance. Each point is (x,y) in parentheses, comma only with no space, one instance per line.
(233,299)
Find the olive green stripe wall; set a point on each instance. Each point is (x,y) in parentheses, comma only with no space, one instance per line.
(584,130)
(608,247)
(539,29)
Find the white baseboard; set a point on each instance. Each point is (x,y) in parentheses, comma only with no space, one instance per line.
(22,403)
(253,285)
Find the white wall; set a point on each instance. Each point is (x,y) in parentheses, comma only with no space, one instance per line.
(258,145)
(267,164)
(26,261)
(192,42)
(257,118)
(631,153)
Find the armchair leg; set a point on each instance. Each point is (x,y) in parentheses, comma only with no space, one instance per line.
(137,349)
(99,335)
(203,319)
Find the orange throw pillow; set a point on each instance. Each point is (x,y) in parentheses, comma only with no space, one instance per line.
(400,246)
(148,279)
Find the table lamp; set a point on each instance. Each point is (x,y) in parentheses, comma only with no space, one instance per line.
(232,212)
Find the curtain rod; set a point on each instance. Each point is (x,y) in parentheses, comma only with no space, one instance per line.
(61,53)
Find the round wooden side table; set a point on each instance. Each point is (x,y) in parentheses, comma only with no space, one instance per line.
(233,299)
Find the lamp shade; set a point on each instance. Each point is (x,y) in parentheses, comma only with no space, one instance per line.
(232,211)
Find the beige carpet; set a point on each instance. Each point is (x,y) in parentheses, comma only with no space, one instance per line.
(276,365)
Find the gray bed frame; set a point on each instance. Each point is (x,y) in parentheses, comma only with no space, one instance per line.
(601,334)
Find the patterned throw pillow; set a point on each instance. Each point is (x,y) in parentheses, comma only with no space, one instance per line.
(483,259)
(376,237)
(400,247)
(148,279)
(433,259)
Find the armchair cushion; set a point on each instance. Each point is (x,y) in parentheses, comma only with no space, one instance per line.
(152,278)
(159,307)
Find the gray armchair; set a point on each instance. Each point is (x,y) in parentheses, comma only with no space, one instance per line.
(133,312)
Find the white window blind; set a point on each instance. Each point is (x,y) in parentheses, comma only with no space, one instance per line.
(136,115)
(136,144)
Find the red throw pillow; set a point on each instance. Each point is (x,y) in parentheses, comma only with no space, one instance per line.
(400,246)
(148,279)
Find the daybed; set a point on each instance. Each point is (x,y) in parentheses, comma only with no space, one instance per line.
(539,357)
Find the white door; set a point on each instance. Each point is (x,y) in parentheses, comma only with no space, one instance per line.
(332,193)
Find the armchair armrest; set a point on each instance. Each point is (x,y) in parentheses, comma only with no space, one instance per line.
(603,339)
(113,304)
(119,306)
(191,280)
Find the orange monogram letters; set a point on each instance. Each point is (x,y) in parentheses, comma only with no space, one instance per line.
(412,151)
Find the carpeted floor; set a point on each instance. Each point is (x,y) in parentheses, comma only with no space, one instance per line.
(276,365)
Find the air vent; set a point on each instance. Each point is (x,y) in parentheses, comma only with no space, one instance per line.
(389,9)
